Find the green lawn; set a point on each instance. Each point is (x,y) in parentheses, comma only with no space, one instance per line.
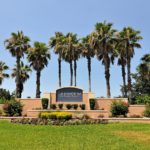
(83,137)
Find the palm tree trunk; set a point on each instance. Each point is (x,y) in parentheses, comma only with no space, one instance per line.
(38,75)
(75,72)
(71,74)
(18,91)
(107,75)
(89,72)
(124,80)
(129,77)
(129,72)
(59,72)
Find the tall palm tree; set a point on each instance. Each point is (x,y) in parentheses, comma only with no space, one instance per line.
(131,40)
(70,47)
(38,56)
(121,50)
(17,45)
(3,68)
(57,43)
(88,52)
(77,53)
(24,74)
(104,45)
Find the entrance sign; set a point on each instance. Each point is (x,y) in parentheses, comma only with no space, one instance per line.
(69,94)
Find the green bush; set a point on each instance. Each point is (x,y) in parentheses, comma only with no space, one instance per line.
(143,99)
(119,108)
(68,106)
(147,111)
(60,106)
(53,106)
(13,108)
(92,104)
(75,106)
(2,101)
(45,103)
(1,112)
(82,106)
(56,115)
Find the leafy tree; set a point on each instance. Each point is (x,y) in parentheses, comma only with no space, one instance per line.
(141,84)
(3,68)
(24,74)
(38,56)
(5,94)
(17,45)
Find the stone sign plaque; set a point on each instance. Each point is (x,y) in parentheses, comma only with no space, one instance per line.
(69,94)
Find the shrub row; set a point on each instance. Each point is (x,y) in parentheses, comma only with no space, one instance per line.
(68,106)
(40,121)
(56,115)
(60,106)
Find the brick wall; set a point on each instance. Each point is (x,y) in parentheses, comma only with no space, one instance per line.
(105,103)
(30,104)
(136,110)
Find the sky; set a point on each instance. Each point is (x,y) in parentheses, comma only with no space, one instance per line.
(40,19)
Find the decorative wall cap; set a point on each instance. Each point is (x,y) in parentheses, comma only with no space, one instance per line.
(101,111)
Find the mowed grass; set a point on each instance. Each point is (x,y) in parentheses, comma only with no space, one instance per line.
(117,136)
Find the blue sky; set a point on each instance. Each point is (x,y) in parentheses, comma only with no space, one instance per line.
(40,19)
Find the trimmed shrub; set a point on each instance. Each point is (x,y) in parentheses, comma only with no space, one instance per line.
(56,115)
(53,106)
(92,104)
(82,106)
(68,106)
(147,111)
(13,108)
(119,108)
(60,106)
(45,103)
(75,106)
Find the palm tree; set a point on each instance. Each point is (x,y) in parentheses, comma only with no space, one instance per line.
(70,47)
(104,45)
(38,56)
(24,74)
(88,52)
(57,43)
(3,68)
(17,45)
(121,50)
(77,53)
(130,38)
